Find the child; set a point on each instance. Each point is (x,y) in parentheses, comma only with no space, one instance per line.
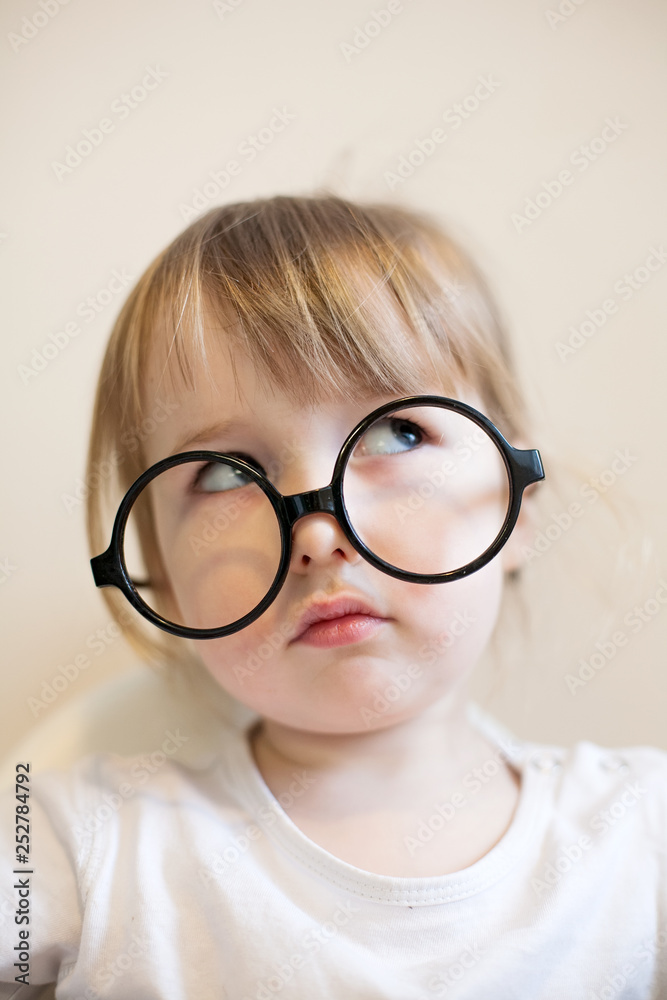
(330,548)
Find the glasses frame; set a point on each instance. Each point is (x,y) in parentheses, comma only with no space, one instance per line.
(524,467)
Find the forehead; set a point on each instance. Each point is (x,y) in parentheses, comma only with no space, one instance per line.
(221,373)
(228,399)
(217,386)
(231,409)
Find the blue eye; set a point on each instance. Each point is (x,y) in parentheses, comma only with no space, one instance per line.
(390,436)
(218,477)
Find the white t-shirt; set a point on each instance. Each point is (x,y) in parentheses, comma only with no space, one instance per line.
(154,879)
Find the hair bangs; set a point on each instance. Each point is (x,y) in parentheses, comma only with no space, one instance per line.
(348,321)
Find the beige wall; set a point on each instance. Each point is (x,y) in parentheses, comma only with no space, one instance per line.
(219,72)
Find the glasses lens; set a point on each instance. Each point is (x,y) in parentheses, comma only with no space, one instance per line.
(210,544)
(426,489)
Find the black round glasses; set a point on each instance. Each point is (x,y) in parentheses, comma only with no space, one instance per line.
(425,488)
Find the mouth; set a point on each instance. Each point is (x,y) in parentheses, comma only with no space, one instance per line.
(337,622)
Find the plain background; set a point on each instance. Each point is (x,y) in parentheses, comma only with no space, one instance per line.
(552,82)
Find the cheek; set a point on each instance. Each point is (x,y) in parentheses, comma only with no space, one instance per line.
(454,621)
(241,663)
(220,553)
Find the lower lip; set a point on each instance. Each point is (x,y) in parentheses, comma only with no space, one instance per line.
(341,631)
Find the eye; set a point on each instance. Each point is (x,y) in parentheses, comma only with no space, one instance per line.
(218,477)
(390,436)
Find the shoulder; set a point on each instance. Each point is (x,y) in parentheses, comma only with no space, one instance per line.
(156,775)
(106,793)
(606,803)
(593,771)
(610,782)
(589,788)
(588,774)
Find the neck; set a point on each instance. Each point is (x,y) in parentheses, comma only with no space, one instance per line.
(438,744)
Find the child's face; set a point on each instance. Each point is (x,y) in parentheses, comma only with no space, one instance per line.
(422,641)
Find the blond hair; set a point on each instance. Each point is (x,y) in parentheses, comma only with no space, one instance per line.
(354,299)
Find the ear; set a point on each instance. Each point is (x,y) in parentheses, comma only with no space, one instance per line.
(513,552)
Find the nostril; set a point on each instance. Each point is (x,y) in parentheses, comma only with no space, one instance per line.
(307,559)
(317,540)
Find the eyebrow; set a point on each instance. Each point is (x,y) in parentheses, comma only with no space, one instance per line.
(214,430)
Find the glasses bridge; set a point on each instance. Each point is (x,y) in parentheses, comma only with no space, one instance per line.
(312,502)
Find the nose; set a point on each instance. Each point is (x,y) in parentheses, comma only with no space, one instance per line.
(317,537)
(319,541)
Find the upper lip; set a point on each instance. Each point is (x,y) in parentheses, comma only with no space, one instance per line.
(335,607)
